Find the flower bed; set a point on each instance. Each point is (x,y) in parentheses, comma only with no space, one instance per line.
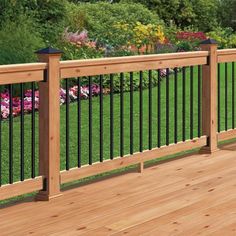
(28,105)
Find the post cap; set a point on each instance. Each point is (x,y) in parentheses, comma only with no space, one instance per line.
(209,41)
(49,50)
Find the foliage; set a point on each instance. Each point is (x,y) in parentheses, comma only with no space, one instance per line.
(189,41)
(165,48)
(225,37)
(116,29)
(78,45)
(100,20)
(206,14)
(140,35)
(19,41)
(49,15)
(184,13)
(136,81)
(226,12)
(147,34)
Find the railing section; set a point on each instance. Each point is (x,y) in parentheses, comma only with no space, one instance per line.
(226,93)
(126,111)
(138,119)
(19,142)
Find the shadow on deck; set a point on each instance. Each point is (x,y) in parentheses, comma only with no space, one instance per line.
(195,195)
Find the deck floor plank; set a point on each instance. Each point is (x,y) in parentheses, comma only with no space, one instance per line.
(194,195)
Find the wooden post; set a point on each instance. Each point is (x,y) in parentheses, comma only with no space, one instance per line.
(49,125)
(209,96)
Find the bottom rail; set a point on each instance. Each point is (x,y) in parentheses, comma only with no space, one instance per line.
(120,162)
(20,188)
(227,135)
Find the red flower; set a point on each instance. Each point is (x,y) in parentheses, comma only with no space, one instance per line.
(191,36)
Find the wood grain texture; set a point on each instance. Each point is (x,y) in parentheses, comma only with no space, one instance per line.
(227,135)
(49,128)
(20,188)
(22,73)
(117,163)
(226,55)
(209,98)
(133,63)
(195,195)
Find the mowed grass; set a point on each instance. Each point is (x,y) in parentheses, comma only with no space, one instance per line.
(73,125)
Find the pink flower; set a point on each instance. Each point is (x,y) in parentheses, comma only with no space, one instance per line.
(16,101)
(77,37)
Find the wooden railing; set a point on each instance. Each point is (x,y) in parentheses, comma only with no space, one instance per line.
(51,71)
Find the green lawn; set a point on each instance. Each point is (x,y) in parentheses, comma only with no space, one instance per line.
(96,133)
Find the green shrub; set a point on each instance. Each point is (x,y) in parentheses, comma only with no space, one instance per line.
(51,16)
(201,14)
(100,20)
(225,37)
(226,13)
(48,15)
(71,52)
(126,86)
(18,41)
(232,41)
(116,81)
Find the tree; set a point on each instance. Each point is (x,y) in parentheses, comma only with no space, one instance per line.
(201,14)
(48,15)
(227,14)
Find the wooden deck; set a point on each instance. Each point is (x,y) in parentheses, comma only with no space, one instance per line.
(195,195)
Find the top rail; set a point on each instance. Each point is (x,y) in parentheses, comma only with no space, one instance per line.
(22,73)
(226,55)
(30,72)
(93,67)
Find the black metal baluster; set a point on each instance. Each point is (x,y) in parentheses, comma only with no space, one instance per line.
(141,111)
(79,119)
(10,135)
(111,118)
(67,126)
(90,123)
(233,96)
(159,110)
(191,102)
(219,106)
(150,109)
(131,114)
(101,117)
(199,101)
(122,114)
(226,96)
(176,105)
(22,164)
(33,131)
(183,101)
(167,105)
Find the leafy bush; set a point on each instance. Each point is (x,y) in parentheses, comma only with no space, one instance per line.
(126,85)
(189,41)
(225,37)
(165,48)
(232,41)
(18,41)
(226,12)
(100,20)
(49,16)
(201,14)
